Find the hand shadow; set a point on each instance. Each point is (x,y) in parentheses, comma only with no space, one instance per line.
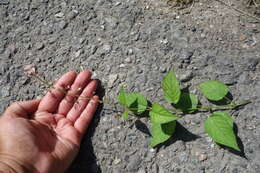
(86,159)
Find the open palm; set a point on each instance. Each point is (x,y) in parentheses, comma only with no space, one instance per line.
(45,135)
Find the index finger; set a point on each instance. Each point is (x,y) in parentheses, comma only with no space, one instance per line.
(52,99)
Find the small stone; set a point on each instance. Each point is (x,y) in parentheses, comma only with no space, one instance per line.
(152,150)
(111,80)
(39,45)
(141,170)
(63,24)
(122,65)
(77,54)
(161,170)
(29,69)
(155,168)
(116,161)
(242,37)
(257,115)
(134,163)
(93,49)
(186,54)
(72,14)
(112,22)
(117,3)
(183,157)
(4,2)
(202,157)
(244,78)
(59,15)
(186,76)
(162,69)
(52,40)
(130,52)
(12,49)
(128,60)
(5,91)
(107,48)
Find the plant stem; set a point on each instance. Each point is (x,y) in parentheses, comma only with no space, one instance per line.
(225,107)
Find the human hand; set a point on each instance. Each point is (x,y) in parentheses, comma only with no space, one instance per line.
(44,135)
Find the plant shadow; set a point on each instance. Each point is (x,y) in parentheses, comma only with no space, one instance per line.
(142,127)
(182,134)
(86,159)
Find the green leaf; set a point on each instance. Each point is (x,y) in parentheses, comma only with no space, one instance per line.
(213,90)
(188,102)
(171,88)
(136,103)
(122,97)
(161,115)
(125,115)
(162,132)
(219,127)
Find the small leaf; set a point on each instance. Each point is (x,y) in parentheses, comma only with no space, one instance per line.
(125,115)
(219,127)
(161,115)
(213,90)
(162,132)
(136,103)
(171,88)
(122,97)
(188,103)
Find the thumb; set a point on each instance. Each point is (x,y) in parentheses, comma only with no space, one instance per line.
(22,109)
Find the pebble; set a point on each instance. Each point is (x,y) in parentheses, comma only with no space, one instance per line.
(202,157)
(242,37)
(39,45)
(77,54)
(5,91)
(29,69)
(52,40)
(183,157)
(72,14)
(244,78)
(116,161)
(4,2)
(130,52)
(186,54)
(112,22)
(141,170)
(162,69)
(111,80)
(93,49)
(134,163)
(128,60)
(107,48)
(186,76)
(122,65)
(63,24)
(59,15)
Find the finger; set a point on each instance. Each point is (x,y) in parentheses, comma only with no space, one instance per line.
(86,116)
(22,109)
(82,101)
(77,87)
(52,99)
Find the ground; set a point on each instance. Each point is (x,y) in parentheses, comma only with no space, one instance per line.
(132,44)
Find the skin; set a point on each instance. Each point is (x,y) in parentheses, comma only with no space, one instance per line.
(44,135)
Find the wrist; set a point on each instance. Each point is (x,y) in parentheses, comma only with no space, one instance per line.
(11,164)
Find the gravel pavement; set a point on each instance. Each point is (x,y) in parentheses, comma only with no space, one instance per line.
(133,44)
